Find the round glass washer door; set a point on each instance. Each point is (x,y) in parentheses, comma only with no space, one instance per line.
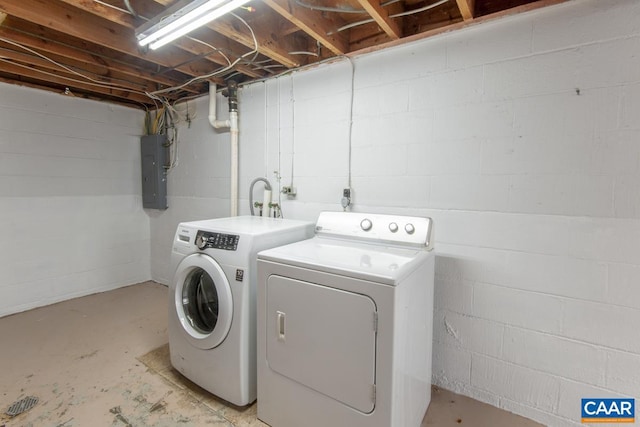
(203,301)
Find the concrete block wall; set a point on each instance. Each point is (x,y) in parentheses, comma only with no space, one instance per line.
(520,137)
(71,217)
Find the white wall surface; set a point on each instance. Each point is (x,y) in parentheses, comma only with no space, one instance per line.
(71,218)
(521,138)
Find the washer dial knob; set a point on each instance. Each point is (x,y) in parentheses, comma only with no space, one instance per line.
(409,228)
(366,224)
(201,241)
(393,227)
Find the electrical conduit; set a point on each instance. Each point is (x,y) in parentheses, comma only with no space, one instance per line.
(232,125)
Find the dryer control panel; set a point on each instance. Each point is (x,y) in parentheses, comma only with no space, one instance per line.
(211,240)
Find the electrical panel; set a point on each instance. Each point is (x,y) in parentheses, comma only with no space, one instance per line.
(155,158)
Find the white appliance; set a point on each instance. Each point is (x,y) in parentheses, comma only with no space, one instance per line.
(212,299)
(345,324)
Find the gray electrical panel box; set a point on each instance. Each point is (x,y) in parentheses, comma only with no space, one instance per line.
(155,155)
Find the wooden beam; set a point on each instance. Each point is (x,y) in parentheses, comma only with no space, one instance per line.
(201,46)
(467,8)
(313,23)
(67,80)
(270,46)
(74,22)
(98,74)
(380,15)
(43,44)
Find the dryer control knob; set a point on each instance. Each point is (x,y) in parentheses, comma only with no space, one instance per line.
(366,224)
(393,227)
(409,228)
(201,242)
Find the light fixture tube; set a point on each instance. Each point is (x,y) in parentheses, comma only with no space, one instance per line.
(177,19)
(202,20)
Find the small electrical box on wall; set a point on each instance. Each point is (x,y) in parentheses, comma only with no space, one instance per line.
(154,154)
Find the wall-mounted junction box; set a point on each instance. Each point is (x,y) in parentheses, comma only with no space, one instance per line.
(154,154)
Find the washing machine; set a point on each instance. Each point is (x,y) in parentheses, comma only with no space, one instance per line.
(345,324)
(212,299)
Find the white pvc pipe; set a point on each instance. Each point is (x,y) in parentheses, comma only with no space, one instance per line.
(266,201)
(233,116)
(232,125)
(217,124)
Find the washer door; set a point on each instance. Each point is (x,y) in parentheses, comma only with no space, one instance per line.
(203,301)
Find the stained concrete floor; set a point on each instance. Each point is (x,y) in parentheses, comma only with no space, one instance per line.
(101,360)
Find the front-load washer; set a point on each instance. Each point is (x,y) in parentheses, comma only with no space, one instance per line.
(345,324)
(212,299)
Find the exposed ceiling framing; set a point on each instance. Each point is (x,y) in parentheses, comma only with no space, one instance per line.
(87,48)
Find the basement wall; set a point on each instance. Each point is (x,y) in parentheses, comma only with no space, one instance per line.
(521,138)
(71,217)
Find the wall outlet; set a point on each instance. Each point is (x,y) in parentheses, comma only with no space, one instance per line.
(346,200)
(289,191)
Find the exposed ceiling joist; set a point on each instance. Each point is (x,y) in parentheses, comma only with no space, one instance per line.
(64,79)
(186,44)
(313,23)
(89,46)
(69,20)
(467,8)
(270,46)
(47,47)
(381,16)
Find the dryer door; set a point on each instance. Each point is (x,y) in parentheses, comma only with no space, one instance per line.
(203,301)
(324,339)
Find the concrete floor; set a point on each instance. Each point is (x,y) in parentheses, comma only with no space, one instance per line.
(100,360)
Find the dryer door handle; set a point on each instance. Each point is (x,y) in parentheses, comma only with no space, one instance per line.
(280,320)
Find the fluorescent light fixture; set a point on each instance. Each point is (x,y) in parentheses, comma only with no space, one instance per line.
(183,18)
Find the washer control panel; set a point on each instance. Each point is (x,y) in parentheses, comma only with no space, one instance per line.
(210,240)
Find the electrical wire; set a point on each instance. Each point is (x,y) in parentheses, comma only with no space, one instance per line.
(353,79)
(130,8)
(339,9)
(218,72)
(396,15)
(293,130)
(64,67)
(268,67)
(108,86)
(304,52)
(277,173)
(213,48)
(421,9)
(119,8)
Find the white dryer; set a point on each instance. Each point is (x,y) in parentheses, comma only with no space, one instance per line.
(212,299)
(345,324)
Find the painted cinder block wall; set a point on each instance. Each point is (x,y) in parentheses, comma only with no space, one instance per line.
(71,217)
(521,138)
